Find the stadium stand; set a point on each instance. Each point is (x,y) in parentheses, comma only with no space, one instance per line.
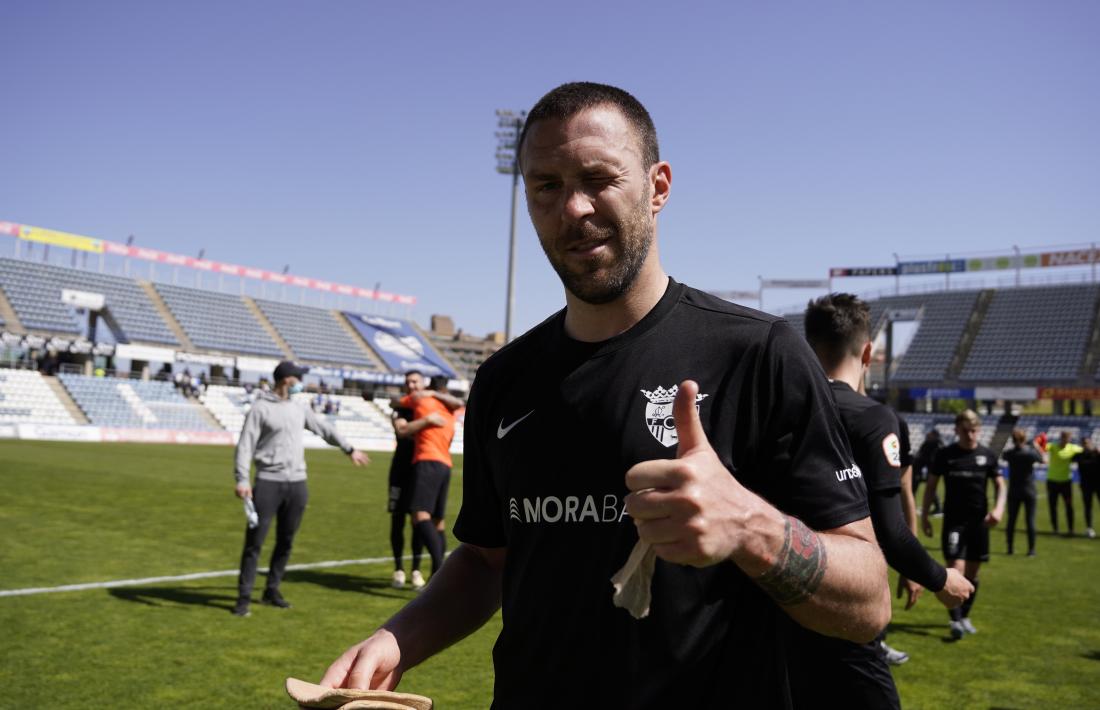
(943,318)
(25,398)
(361,422)
(1033,335)
(921,423)
(313,334)
(135,404)
(218,321)
(34,291)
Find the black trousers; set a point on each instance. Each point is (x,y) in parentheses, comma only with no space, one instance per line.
(285,503)
(1015,500)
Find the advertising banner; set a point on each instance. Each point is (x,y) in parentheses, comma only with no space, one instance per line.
(1019,394)
(257,364)
(942,392)
(102,246)
(1074,257)
(203,359)
(1004,263)
(399,345)
(1069,393)
(938,266)
(794,283)
(61,239)
(863,271)
(144,352)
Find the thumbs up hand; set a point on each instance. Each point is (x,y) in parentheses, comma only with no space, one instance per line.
(689,508)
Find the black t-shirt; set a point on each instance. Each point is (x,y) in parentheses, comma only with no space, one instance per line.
(552,426)
(873,431)
(906,444)
(1021,468)
(965,473)
(401,464)
(1088,464)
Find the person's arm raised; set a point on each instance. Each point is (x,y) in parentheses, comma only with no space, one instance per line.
(458,600)
(694,512)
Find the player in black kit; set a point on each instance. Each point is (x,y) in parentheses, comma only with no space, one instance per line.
(1088,468)
(649,413)
(965,467)
(833,671)
(1021,459)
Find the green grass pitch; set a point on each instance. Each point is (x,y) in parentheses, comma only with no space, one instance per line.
(75,513)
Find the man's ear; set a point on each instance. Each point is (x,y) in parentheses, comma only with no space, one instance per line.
(660,180)
(865,356)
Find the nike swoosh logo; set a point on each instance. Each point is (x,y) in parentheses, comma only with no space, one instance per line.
(502,431)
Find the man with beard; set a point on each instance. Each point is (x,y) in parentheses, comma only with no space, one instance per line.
(644,416)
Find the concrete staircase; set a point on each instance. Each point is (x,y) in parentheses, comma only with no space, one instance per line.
(166,315)
(266,324)
(1092,353)
(12,324)
(981,307)
(66,399)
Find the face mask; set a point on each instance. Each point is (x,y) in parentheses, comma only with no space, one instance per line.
(297,387)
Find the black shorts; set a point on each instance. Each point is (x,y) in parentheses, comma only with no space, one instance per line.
(966,540)
(431,480)
(400,482)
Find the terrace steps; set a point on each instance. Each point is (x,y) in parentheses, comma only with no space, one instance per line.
(66,399)
(258,314)
(163,311)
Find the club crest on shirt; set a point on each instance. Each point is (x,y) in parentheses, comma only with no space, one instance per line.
(891,448)
(979,460)
(658,413)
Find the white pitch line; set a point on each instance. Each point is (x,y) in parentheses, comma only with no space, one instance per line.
(179,578)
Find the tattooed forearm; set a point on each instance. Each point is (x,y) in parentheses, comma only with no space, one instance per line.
(799,567)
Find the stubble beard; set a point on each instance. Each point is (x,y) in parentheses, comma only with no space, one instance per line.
(635,237)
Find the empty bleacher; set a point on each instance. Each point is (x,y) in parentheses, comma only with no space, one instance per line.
(943,319)
(218,321)
(34,291)
(135,404)
(25,398)
(313,334)
(1033,335)
(364,424)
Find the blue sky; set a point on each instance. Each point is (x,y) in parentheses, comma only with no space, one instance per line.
(353,140)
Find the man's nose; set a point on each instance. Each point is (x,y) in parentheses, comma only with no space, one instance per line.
(578,205)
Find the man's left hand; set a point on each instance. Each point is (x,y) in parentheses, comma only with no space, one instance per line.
(687,507)
(992,518)
(359,458)
(910,588)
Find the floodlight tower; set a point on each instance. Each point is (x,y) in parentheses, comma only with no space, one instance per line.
(509,124)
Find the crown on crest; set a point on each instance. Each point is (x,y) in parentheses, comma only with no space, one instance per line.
(663,396)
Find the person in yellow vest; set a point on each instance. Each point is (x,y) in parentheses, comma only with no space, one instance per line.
(1059,480)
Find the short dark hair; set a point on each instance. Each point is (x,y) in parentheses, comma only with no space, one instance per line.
(837,325)
(570,99)
(438,383)
(413,372)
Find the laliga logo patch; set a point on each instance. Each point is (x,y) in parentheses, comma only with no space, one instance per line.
(658,414)
(891,447)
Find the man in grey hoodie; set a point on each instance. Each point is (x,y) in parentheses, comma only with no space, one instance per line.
(272,438)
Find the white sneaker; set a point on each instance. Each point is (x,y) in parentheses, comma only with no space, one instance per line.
(1091,533)
(967,626)
(957,630)
(893,656)
(417,579)
(399,578)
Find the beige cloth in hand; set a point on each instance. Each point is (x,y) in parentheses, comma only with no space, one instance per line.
(634,581)
(311,695)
